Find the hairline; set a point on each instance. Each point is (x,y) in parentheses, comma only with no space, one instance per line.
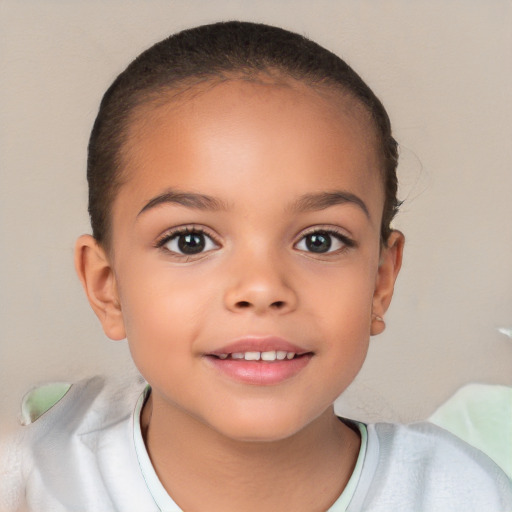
(168,95)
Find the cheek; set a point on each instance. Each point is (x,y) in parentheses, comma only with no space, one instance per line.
(159,331)
(161,307)
(344,292)
(341,301)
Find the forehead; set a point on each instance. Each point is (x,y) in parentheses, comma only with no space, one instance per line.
(233,129)
(221,97)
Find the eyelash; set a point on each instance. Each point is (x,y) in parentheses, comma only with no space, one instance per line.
(346,242)
(177,232)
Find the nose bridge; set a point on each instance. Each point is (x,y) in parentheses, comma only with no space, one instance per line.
(260,281)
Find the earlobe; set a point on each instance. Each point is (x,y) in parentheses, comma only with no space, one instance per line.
(389,266)
(98,280)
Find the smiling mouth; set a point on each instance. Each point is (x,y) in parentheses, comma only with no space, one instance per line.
(267,356)
(260,360)
(262,368)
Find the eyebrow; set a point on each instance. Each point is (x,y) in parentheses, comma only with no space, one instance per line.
(323,200)
(307,202)
(187,199)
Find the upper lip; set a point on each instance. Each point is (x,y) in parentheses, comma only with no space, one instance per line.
(259,344)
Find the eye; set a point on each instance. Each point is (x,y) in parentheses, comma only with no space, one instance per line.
(188,242)
(323,241)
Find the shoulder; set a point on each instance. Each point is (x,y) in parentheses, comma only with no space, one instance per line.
(86,431)
(425,442)
(423,467)
(59,410)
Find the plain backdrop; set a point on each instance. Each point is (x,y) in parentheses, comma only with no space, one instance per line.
(442,68)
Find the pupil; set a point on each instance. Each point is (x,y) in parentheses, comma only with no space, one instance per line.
(191,243)
(318,242)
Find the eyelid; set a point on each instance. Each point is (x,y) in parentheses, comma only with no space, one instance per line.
(184,229)
(326,228)
(338,233)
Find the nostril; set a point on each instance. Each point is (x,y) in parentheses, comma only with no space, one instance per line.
(243,304)
(277,305)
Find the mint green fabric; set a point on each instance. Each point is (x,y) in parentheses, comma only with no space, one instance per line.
(481,415)
(39,400)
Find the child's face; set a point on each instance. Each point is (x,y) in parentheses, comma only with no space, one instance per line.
(249,222)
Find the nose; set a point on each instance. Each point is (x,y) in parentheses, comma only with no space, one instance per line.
(260,285)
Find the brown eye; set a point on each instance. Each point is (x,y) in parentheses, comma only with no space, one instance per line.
(189,243)
(318,242)
(323,241)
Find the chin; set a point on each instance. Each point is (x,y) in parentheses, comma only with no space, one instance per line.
(265,426)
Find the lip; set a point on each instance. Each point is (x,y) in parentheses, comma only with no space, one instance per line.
(260,373)
(259,344)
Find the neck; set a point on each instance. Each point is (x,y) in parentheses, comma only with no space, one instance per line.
(203,470)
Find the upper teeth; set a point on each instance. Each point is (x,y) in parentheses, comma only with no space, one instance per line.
(271,355)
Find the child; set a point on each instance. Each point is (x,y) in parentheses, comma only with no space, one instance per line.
(241,189)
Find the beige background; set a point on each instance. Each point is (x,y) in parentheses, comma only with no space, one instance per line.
(442,68)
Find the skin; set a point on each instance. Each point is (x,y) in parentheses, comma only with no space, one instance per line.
(257,148)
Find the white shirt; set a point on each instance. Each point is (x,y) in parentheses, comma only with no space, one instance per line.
(82,455)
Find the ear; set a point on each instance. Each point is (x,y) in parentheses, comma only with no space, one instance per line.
(98,279)
(389,266)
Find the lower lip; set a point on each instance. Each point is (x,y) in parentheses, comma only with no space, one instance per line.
(260,373)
